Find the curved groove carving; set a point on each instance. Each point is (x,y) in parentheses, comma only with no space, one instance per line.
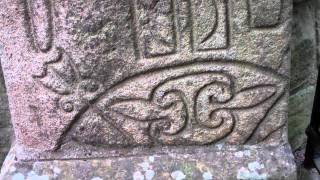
(175,103)
(200,103)
(210,24)
(41,23)
(213,94)
(212,21)
(194,104)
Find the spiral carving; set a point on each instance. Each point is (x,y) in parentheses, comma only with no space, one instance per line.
(175,114)
(192,108)
(209,97)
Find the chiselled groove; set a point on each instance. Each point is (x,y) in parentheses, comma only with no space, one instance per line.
(57,57)
(174,93)
(176,34)
(266,114)
(133,9)
(63,74)
(248,6)
(217,122)
(196,102)
(146,39)
(156,27)
(192,22)
(133,101)
(220,27)
(156,120)
(215,25)
(274,131)
(227,24)
(167,88)
(28,24)
(40,23)
(67,129)
(175,131)
(106,119)
(184,24)
(74,68)
(207,61)
(256,87)
(58,91)
(191,25)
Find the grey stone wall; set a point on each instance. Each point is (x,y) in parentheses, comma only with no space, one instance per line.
(5,126)
(303,69)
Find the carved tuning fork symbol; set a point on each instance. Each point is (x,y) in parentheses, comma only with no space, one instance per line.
(166,27)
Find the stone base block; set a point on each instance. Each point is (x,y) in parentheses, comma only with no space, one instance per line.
(250,162)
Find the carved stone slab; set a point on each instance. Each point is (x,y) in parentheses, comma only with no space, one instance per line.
(105,78)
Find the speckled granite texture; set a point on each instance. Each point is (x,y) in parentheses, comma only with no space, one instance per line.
(117,82)
(205,163)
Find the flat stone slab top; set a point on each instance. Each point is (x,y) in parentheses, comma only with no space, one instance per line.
(203,163)
(193,86)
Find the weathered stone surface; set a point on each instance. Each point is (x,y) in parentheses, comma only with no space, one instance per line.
(204,163)
(300,108)
(265,13)
(305,44)
(104,78)
(304,47)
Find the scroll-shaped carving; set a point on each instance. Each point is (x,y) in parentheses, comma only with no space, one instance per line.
(167,114)
(212,111)
(201,103)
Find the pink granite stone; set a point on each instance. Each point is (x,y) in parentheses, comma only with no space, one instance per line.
(105,78)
